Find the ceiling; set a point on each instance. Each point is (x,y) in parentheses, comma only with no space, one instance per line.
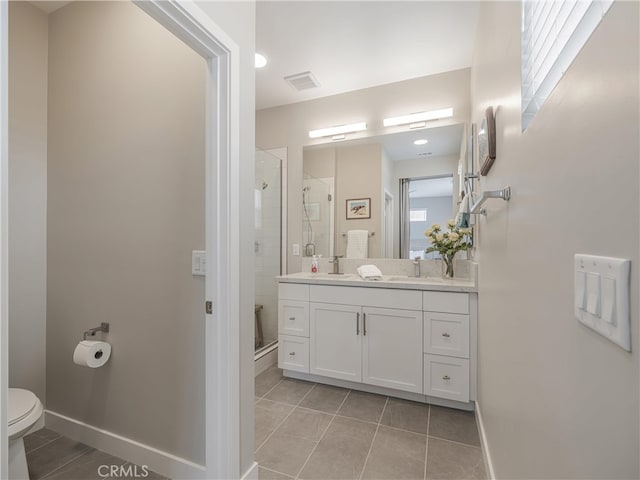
(353,45)
(48,6)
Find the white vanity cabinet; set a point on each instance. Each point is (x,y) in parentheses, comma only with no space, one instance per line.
(411,343)
(367,335)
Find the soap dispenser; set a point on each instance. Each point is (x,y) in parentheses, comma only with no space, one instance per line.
(314,264)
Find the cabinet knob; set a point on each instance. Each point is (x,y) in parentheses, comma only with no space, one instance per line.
(446,335)
(292,353)
(292,318)
(446,377)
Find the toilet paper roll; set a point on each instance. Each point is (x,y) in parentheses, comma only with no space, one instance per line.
(91,354)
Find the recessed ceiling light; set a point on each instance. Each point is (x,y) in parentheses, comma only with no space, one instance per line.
(421,141)
(261,60)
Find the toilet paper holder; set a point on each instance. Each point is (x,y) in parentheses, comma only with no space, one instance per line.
(104,327)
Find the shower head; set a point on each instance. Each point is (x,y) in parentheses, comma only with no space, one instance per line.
(306,189)
(264,184)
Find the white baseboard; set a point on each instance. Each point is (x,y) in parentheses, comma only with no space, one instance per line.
(164,463)
(251,473)
(488,464)
(266,359)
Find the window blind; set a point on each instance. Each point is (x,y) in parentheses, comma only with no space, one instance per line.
(553,32)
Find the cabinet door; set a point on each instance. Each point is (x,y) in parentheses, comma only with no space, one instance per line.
(392,348)
(335,341)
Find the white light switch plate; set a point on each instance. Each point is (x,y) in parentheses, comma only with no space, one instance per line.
(601,296)
(198,263)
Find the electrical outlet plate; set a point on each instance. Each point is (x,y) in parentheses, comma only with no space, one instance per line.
(601,296)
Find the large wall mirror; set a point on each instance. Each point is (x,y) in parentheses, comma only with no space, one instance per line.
(371,170)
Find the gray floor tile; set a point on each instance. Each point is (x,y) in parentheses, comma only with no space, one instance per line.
(406,415)
(284,453)
(342,452)
(289,391)
(396,454)
(266,474)
(451,424)
(92,465)
(268,416)
(305,424)
(325,398)
(267,380)
(38,438)
(363,406)
(447,460)
(54,455)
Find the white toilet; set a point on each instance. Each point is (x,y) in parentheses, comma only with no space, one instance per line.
(24,410)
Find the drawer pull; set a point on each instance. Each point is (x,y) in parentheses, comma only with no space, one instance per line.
(357,323)
(364,323)
(446,377)
(292,353)
(446,335)
(292,318)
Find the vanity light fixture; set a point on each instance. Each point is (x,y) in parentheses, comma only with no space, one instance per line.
(421,141)
(418,120)
(261,60)
(339,130)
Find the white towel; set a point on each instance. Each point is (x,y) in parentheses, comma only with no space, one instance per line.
(357,243)
(369,272)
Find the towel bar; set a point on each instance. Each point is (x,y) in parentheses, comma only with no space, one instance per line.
(372,234)
(503,193)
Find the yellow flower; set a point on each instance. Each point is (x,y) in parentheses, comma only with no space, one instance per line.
(451,223)
(440,237)
(454,236)
(428,232)
(435,227)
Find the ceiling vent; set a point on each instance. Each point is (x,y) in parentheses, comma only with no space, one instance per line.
(302,81)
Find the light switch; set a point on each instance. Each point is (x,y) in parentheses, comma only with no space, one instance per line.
(602,296)
(198,263)
(609,300)
(581,290)
(593,294)
(296,249)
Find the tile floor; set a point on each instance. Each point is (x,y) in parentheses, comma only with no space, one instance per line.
(313,431)
(52,456)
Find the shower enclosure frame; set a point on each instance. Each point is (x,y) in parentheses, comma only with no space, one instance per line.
(224,190)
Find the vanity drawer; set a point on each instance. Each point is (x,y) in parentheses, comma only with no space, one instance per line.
(293,318)
(368,296)
(293,291)
(446,377)
(446,334)
(293,353)
(445,302)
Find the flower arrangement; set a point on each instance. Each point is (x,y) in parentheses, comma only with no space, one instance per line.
(447,244)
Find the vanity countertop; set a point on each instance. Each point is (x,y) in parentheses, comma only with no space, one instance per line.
(388,281)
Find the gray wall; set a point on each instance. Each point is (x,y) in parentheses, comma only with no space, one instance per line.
(126,207)
(27,196)
(289,125)
(557,399)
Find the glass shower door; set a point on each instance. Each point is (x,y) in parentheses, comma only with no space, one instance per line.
(267,247)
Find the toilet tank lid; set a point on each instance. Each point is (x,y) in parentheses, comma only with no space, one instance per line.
(21,403)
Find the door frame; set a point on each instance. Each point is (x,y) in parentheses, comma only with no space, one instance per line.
(222,180)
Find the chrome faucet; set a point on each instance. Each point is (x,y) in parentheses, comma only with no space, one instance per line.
(416,266)
(336,264)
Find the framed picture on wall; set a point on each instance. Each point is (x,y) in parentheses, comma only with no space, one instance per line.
(358,208)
